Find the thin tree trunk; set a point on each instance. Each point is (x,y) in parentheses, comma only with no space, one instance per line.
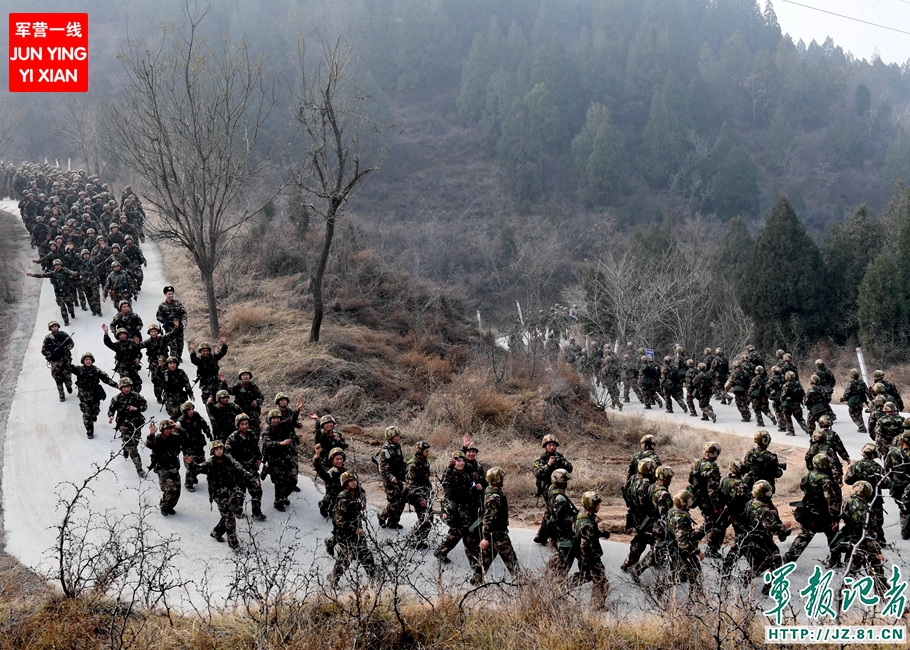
(318,306)
(208,281)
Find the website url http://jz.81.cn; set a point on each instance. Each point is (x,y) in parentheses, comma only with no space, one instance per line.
(836,634)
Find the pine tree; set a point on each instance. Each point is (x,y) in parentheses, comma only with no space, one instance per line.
(665,134)
(475,75)
(736,185)
(734,253)
(844,145)
(882,310)
(784,288)
(896,166)
(606,169)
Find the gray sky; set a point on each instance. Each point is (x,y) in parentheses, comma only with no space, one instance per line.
(806,24)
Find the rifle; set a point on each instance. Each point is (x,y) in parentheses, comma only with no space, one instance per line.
(57,348)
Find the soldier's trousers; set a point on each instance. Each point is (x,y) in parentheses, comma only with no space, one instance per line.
(760,406)
(172,405)
(175,343)
(60,371)
(675,394)
(869,554)
(89,291)
(761,557)
(687,568)
(157,376)
(501,545)
(690,402)
(169,482)
(715,528)
(629,383)
(395,502)
(91,408)
(471,541)
(658,557)
(64,301)
(805,536)
(421,529)
(595,574)
(901,496)
(209,388)
(255,494)
(856,414)
(130,438)
(779,412)
(79,296)
(742,405)
(613,391)
(883,444)
(637,546)
(557,564)
(228,523)
(720,393)
(704,403)
(794,413)
(647,395)
(284,478)
(138,276)
(197,456)
(812,420)
(348,550)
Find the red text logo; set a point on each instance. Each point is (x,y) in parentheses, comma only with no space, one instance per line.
(48,53)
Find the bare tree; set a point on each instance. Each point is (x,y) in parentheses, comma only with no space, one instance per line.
(83,129)
(342,144)
(10,116)
(191,124)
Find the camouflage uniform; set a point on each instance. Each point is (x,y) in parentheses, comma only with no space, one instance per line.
(129,321)
(738,384)
(892,394)
(330,476)
(119,286)
(197,432)
(876,413)
(720,371)
(826,382)
(866,469)
(774,386)
(244,448)
(763,465)
(703,391)
(660,553)
(590,566)
(419,491)
(762,522)
(167,312)
(758,395)
(868,552)
(222,417)
(56,349)
(648,381)
(816,404)
(135,259)
(887,429)
(281,461)
(88,380)
(639,456)
(244,395)
(175,390)
(685,560)
(560,518)
(62,280)
(455,512)
(166,452)
(495,529)
(225,476)
(392,465)
(629,378)
(735,492)
(705,481)
(129,423)
(818,514)
(543,472)
(837,468)
(640,516)
(898,463)
(855,397)
(157,348)
(609,376)
(87,284)
(350,543)
(207,370)
(689,383)
(671,385)
(791,397)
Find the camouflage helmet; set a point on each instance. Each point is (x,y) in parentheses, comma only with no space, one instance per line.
(762,438)
(245,371)
(590,500)
(819,435)
(337,451)
(172,359)
(904,437)
(825,421)
(819,364)
(712,449)
(645,358)
(420,446)
(707,351)
(821,461)
(646,467)
(750,348)
(51,324)
(115,245)
(863,489)
(788,357)
(205,346)
(123,302)
(241,417)
(702,367)
(664,473)
(878,374)
(345,477)
(326,419)
(647,441)
(273,413)
(128,238)
(667,359)
(221,394)
(472,446)
(682,500)
(762,490)
(719,351)
(153,326)
(124,381)
(775,370)
(495,476)
(117,263)
(87,355)
(690,363)
(57,262)
(737,466)
(458,453)
(854,373)
(879,400)
(547,439)
(759,370)
(281,396)
(166,423)
(560,476)
(890,407)
(85,251)
(737,364)
(186,406)
(391,432)
(215,444)
(814,379)
(869,450)
(790,376)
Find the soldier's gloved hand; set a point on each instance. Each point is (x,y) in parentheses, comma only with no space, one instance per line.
(604,534)
(484,544)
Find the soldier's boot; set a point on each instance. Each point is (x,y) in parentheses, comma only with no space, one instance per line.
(659,401)
(803,426)
(218,537)
(256,507)
(834,560)
(69,385)
(89,427)
(541,536)
(60,391)
(682,405)
(771,417)
(759,422)
(712,414)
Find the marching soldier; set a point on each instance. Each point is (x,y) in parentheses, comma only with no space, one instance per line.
(791,398)
(560,521)
(866,469)
(640,516)
(127,319)
(548,462)
(689,383)
(826,382)
(661,504)
(56,349)
(127,356)
(350,538)
(88,380)
(649,381)
(166,446)
(735,492)
(156,352)
(223,415)
(686,556)
(169,310)
(762,464)
(392,469)
(775,385)
(738,384)
(891,392)
(118,285)
(859,535)
(856,396)
(243,447)
(279,450)
(247,396)
(819,511)
(326,436)
(457,487)
(820,446)
(703,391)
(647,451)
(330,476)
(62,280)
(816,402)
(176,389)
(720,371)
(888,428)
(495,526)
(587,539)
(128,408)
(197,433)
(758,395)
(206,363)
(672,387)
(761,524)
(418,491)
(704,479)
(898,464)
(609,376)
